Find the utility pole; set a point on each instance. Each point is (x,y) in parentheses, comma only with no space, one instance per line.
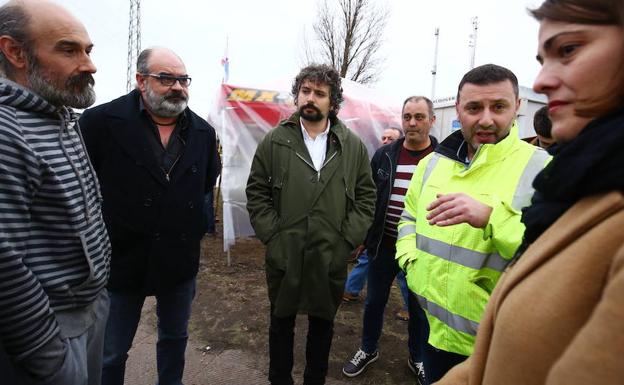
(473,41)
(434,70)
(134,41)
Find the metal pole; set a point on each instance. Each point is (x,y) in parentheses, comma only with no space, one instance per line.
(473,41)
(434,70)
(134,40)
(223,215)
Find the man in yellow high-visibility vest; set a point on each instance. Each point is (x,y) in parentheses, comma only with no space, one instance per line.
(461,222)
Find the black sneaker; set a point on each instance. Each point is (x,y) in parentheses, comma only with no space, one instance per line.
(418,369)
(358,363)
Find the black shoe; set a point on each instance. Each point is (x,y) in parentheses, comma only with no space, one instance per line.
(358,363)
(418,369)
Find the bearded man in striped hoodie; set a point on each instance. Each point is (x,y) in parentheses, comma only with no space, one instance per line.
(54,248)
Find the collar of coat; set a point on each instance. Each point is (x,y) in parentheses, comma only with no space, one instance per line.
(454,148)
(129,107)
(337,129)
(394,148)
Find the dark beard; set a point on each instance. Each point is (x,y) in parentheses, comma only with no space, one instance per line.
(77,91)
(317,116)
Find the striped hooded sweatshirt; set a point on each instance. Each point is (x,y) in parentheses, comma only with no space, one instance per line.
(54,248)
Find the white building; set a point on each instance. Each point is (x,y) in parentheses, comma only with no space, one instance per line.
(446,115)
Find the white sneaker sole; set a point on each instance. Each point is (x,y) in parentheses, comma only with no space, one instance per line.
(361,370)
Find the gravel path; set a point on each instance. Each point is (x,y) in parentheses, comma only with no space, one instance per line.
(228,367)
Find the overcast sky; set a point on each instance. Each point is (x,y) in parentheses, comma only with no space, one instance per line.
(265,40)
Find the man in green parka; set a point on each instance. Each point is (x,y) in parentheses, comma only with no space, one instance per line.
(311,199)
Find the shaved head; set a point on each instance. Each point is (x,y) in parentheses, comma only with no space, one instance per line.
(43,16)
(48,17)
(45,48)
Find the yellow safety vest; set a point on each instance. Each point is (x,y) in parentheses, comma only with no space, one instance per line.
(452,270)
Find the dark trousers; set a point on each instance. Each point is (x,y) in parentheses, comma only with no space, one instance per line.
(381,273)
(436,362)
(6,367)
(281,343)
(173,310)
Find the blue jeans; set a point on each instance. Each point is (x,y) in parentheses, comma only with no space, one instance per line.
(402,282)
(381,273)
(173,310)
(357,276)
(359,273)
(73,357)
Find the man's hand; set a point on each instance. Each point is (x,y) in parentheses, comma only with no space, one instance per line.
(355,254)
(451,209)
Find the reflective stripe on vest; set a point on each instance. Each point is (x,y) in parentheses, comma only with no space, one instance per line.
(524,189)
(407,217)
(406,229)
(429,169)
(462,256)
(452,320)
(471,258)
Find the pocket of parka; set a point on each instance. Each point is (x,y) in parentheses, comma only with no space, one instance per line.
(276,194)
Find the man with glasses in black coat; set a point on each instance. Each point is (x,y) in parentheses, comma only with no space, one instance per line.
(155,160)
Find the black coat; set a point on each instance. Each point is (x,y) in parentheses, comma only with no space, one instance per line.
(155,225)
(383,164)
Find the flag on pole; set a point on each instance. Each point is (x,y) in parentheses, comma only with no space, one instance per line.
(225,62)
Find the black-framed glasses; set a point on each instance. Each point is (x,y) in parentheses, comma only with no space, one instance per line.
(169,80)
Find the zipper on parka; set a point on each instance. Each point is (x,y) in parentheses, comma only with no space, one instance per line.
(318,172)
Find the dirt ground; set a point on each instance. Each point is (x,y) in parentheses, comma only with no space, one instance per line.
(231,313)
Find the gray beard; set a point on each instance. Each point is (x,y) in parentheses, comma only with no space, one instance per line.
(57,96)
(160,106)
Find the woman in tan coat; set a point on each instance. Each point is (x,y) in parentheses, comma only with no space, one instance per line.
(557,315)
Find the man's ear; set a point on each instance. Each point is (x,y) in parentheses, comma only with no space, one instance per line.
(140,81)
(14,52)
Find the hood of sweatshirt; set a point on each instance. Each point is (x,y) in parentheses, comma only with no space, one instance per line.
(15,95)
(23,99)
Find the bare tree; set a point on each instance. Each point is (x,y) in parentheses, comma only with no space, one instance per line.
(349,34)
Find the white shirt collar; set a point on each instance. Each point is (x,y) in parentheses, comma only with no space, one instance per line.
(305,132)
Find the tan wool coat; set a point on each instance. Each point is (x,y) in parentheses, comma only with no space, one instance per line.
(557,315)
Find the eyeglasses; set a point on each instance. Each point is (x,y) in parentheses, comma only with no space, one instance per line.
(169,81)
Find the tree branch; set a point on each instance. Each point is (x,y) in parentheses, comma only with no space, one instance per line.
(349,35)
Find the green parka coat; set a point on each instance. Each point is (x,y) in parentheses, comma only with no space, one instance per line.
(309,221)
